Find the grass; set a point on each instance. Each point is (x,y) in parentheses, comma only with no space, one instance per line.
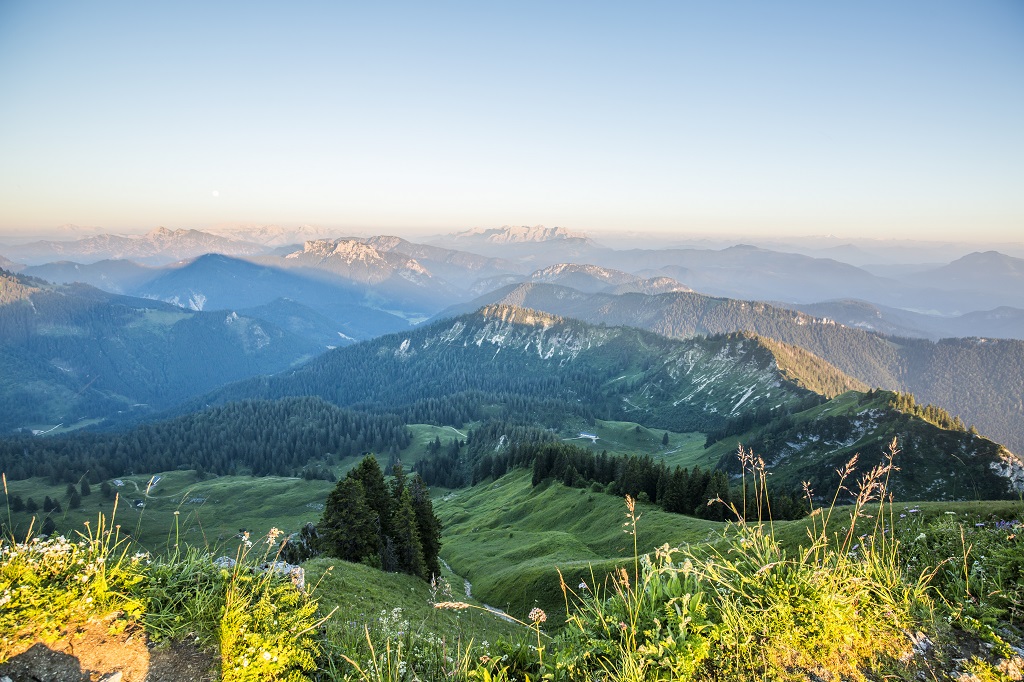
(623,438)
(261,625)
(507,538)
(393,613)
(932,589)
(211,512)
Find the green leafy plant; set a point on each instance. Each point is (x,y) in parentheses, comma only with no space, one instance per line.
(47,583)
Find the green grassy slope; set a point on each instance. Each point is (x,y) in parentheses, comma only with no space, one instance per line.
(507,538)
(210,512)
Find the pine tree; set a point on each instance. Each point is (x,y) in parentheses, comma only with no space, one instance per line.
(86,489)
(408,546)
(398,482)
(378,498)
(428,525)
(348,528)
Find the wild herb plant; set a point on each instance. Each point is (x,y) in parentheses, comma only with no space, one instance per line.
(833,609)
(47,583)
(263,626)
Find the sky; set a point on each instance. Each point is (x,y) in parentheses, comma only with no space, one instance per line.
(873,119)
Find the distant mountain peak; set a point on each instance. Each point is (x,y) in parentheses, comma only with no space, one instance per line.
(987,259)
(517,234)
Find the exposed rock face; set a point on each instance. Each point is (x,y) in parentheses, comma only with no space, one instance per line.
(358,261)
(515,234)
(1010,467)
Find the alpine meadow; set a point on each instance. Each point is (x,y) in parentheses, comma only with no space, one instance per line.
(511,343)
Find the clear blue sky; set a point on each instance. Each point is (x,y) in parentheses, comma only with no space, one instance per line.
(868,118)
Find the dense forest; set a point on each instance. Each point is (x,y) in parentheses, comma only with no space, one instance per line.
(258,437)
(496,448)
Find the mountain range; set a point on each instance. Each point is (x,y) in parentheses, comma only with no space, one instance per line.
(527,367)
(331,292)
(157,247)
(982,380)
(73,353)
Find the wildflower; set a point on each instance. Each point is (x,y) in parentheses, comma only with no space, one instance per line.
(583,586)
(273,535)
(266,655)
(538,616)
(622,626)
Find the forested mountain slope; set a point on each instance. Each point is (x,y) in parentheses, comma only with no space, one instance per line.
(545,369)
(69,353)
(525,367)
(980,380)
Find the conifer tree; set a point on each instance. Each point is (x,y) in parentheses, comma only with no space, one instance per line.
(378,497)
(348,528)
(398,481)
(428,525)
(408,547)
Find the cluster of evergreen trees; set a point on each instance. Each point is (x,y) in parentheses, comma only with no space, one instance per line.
(905,402)
(392,527)
(259,437)
(488,451)
(676,490)
(498,447)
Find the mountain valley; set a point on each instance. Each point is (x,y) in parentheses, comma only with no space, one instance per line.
(531,377)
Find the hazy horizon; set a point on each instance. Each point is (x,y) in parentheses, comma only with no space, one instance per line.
(890,249)
(674,119)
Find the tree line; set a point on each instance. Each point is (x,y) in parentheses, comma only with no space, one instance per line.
(498,447)
(289,437)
